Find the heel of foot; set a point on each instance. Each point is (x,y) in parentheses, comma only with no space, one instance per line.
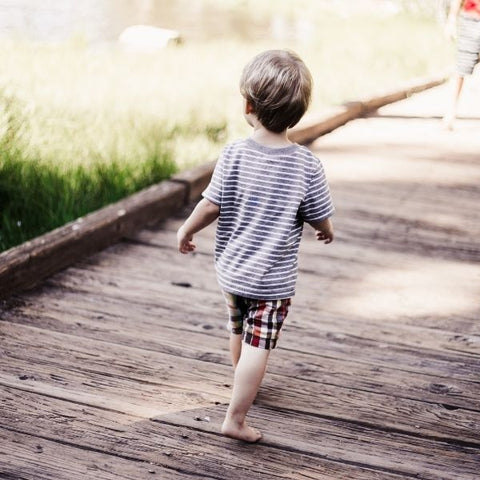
(241,432)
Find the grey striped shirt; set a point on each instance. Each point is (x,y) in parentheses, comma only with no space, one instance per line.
(265,195)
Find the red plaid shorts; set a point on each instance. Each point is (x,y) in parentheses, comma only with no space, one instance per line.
(259,321)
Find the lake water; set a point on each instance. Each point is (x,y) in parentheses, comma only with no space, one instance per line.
(100,21)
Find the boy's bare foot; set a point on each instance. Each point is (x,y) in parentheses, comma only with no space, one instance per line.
(240,431)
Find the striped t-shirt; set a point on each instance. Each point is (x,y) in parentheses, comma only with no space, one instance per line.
(265,195)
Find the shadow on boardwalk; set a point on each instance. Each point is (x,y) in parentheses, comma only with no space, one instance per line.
(117,368)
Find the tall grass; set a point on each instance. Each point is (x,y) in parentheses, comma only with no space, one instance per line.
(51,198)
(37,195)
(81,127)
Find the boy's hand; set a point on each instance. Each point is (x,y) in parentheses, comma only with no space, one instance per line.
(323,230)
(184,240)
(203,214)
(326,235)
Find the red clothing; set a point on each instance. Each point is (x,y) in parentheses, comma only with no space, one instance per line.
(471,6)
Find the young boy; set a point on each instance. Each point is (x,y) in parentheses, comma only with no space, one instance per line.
(262,191)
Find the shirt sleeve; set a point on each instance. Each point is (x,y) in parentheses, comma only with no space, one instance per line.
(317,204)
(214,191)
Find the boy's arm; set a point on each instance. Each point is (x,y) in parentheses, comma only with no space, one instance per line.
(323,230)
(203,215)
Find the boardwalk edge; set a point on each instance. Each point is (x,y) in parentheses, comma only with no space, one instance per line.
(313,127)
(26,265)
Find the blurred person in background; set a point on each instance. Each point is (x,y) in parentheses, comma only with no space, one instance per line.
(463,25)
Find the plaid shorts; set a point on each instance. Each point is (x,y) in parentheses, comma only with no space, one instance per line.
(259,321)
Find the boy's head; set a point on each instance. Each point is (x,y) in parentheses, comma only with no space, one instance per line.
(277,85)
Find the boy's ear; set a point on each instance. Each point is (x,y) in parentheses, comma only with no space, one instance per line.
(249,108)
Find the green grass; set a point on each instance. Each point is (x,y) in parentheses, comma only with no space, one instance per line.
(50,198)
(83,127)
(37,195)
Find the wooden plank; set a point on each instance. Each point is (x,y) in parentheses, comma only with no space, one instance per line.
(165,447)
(342,340)
(333,336)
(420,241)
(120,323)
(422,238)
(350,443)
(195,180)
(326,263)
(312,127)
(304,310)
(113,324)
(25,456)
(45,359)
(196,432)
(132,269)
(349,262)
(386,98)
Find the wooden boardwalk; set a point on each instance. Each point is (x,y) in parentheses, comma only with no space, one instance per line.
(118,367)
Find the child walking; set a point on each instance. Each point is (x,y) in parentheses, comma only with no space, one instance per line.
(262,191)
(463,24)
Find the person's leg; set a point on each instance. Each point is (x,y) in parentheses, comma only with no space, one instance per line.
(235,348)
(457,85)
(236,314)
(264,320)
(467,49)
(248,378)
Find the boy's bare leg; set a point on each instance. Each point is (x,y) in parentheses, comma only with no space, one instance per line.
(235,348)
(248,377)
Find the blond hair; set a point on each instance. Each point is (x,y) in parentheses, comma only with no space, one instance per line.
(278,86)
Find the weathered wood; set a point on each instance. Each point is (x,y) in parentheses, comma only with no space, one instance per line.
(331,333)
(24,456)
(339,442)
(190,438)
(195,180)
(386,98)
(174,380)
(191,451)
(438,390)
(132,268)
(111,320)
(313,127)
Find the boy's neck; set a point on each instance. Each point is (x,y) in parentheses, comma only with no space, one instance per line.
(270,139)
